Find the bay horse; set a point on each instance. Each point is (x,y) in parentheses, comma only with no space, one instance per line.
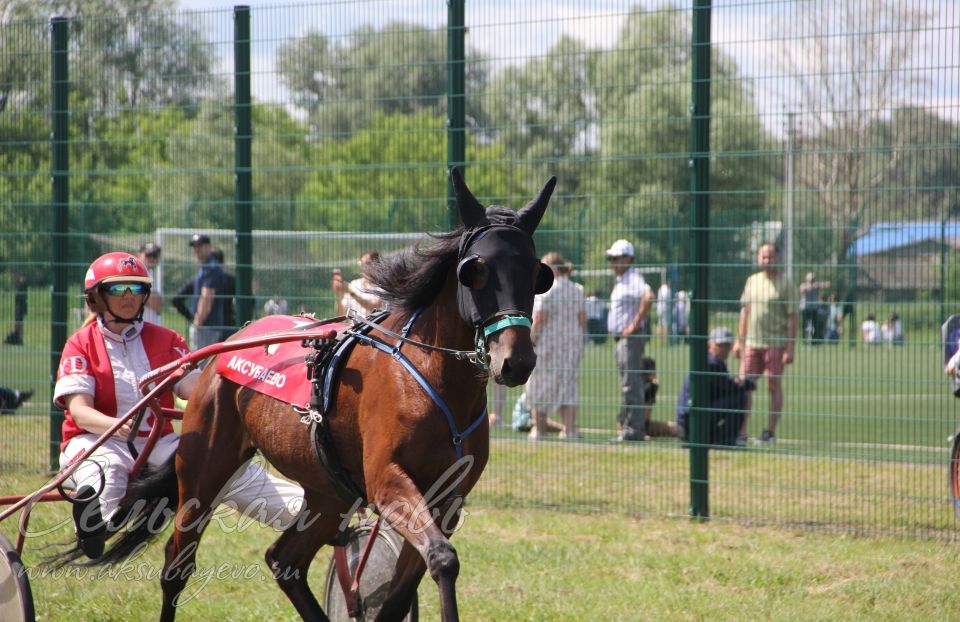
(472,292)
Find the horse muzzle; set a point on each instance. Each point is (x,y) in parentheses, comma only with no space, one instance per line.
(512,357)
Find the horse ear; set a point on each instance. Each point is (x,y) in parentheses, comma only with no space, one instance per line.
(471,211)
(531,214)
(544,279)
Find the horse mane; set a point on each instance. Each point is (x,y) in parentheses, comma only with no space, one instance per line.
(411,279)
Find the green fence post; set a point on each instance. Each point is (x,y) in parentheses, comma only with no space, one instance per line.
(243,161)
(456,109)
(853,331)
(943,267)
(60,203)
(699,243)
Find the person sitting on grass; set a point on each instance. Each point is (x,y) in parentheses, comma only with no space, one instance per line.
(727,394)
(653,428)
(12,399)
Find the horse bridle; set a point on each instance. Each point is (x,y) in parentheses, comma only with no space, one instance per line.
(484,328)
(477,356)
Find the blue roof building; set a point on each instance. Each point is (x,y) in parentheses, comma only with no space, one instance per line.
(887,236)
(898,259)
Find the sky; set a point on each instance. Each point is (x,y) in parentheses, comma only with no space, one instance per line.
(751,31)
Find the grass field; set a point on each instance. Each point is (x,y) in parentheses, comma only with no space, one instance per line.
(550,566)
(596,529)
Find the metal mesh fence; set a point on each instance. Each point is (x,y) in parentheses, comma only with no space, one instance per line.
(833,133)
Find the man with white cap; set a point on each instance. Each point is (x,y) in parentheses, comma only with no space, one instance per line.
(630,303)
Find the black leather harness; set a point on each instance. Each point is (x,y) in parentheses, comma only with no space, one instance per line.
(323,370)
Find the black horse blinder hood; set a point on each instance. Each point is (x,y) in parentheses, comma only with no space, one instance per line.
(497,276)
(497,264)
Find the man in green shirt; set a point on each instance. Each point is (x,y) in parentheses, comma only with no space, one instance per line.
(766,333)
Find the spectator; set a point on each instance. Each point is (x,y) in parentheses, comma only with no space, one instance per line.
(727,395)
(655,428)
(630,303)
(834,319)
(766,334)
(15,337)
(97,382)
(559,326)
(597,313)
(209,317)
(150,256)
(275,306)
(359,294)
(226,293)
(181,301)
(809,302)
(681,318)
(870,330)
(664,304)
(892,330)
(12,399)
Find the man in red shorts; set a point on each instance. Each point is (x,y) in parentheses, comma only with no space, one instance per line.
(766,334)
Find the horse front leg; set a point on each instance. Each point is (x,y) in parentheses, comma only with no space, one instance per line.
(404,508)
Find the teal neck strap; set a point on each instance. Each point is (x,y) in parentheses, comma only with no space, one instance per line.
(510,320)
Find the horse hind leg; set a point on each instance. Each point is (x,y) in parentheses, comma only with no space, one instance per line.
(290,556)
(207,459)
(407,575)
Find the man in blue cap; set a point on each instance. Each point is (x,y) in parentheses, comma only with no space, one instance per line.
(727,394)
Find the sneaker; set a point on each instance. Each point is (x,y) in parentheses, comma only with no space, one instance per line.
(767,437)
(742,440)
(91,528)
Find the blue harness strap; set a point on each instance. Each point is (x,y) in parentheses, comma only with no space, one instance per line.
(395,352)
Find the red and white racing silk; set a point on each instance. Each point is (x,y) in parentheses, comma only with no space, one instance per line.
(108,366)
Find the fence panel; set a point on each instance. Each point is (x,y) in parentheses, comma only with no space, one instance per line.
(833,134)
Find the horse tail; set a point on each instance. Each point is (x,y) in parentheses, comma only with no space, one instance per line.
(146,509)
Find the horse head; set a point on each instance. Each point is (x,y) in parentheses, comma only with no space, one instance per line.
(499,274)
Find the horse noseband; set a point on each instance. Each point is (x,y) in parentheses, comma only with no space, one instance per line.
(506,322)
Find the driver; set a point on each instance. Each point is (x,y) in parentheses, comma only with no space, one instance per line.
(98,381)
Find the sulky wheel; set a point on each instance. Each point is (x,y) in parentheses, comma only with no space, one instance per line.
(375,579)
(16,600)
(954,473)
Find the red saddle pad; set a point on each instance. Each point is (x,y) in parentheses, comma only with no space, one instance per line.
(278,370)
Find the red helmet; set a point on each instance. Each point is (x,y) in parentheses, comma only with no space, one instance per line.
(115,268)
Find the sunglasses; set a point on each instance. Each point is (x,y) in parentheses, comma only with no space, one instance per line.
(119,289)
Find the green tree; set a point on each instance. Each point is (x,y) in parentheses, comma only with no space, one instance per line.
(123,53)
(391,177)
(344,84)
